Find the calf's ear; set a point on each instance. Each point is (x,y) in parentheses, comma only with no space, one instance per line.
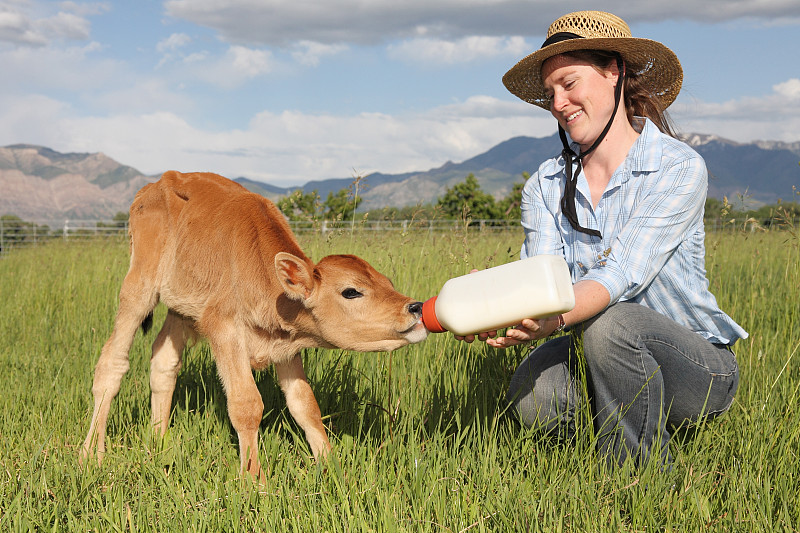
(294,275)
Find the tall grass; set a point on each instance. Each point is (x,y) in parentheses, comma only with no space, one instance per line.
(422,439)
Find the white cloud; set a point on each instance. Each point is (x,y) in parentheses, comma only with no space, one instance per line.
(85,8)
(789,89)
(174,42)
(441,52)
(33,119)
(774,116)
(280,23)
(480,106)
(65,26)
(229,70)
(249,63)
(71,68)
(309,53)
(17,28)
(143,95)
(20,26)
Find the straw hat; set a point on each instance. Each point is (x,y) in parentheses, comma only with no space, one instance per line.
(656,65)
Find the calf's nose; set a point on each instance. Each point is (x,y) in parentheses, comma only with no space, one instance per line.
(415,309)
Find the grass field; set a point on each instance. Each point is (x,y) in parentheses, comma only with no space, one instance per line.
(422,440)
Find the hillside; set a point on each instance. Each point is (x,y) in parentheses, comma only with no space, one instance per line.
(40,184)
(37,183)
(763,171)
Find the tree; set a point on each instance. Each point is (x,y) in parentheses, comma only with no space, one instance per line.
(301,206)
(342,205)
(14,230)
(467,200)
(120,220)
(511,205)
(713,209)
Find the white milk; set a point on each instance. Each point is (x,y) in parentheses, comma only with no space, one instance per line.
(502,296)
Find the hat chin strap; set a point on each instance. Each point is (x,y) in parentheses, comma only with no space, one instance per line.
(569,155)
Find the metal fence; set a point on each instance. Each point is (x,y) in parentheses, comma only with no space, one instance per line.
(17,234)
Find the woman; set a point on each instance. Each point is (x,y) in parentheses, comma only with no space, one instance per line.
(624,206)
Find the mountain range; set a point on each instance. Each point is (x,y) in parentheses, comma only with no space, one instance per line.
(40,184)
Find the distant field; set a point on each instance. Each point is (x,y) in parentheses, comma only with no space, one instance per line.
(422,440)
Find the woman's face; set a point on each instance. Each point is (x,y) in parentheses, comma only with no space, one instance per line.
(581,96)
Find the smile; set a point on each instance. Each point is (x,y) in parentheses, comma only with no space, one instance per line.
(574,115)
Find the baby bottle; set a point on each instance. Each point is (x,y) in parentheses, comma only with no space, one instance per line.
(501,296)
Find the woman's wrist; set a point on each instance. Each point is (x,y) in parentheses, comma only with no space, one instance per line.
(560,324)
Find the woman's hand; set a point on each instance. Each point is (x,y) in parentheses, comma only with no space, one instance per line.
(531,329)
(590,298)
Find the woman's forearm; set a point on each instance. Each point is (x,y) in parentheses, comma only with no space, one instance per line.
(591,297)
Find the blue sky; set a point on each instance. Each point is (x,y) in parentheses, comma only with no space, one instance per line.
(296,90)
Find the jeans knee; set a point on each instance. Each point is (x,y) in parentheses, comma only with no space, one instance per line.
(599,331)
(542,394)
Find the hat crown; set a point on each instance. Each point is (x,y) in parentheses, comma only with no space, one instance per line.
(590,25)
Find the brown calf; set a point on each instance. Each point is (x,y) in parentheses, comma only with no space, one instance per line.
(226,264)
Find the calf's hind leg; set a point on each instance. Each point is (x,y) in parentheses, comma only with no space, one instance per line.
(165,365)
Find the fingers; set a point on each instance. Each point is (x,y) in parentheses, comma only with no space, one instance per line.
(521,335)
(503,342)
(513,337)
(486,335)
(531,329)
(482,336)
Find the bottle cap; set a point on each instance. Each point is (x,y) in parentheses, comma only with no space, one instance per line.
(429,319)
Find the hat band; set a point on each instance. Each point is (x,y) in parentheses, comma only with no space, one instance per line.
(561,36)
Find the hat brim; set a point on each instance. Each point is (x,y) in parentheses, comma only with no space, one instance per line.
(656,65)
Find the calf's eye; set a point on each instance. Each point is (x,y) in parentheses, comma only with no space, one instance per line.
(351,293)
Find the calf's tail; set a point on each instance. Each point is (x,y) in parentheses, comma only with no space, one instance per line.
(147,323)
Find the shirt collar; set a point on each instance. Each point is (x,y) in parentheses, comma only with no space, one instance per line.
(645,154)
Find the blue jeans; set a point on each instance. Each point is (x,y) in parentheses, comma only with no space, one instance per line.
(646,375)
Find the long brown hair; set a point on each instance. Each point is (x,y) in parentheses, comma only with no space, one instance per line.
(639,101)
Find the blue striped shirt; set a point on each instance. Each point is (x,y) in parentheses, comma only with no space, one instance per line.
(652,249)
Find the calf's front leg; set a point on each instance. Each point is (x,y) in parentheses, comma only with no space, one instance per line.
(303,405)
(245,406)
